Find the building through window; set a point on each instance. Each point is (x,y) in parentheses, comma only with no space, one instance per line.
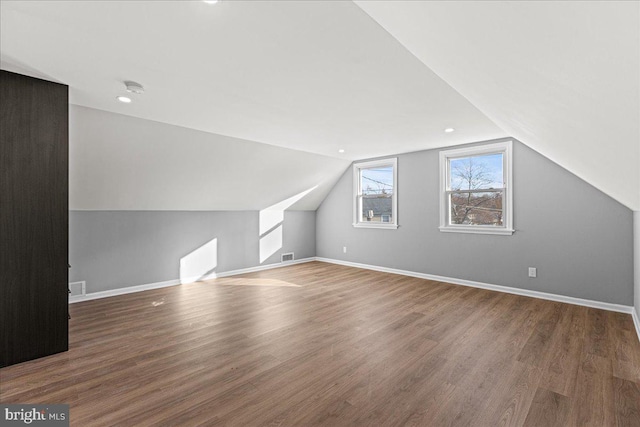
(375,198)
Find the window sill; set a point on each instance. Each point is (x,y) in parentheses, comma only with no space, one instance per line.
(478,230)
(374,225)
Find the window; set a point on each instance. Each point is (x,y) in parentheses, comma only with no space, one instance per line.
(476,189)
(375,196)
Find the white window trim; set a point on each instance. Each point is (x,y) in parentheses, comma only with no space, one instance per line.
(356,192)
(505,147)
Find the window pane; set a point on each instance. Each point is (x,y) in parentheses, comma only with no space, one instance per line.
(476,208)
(377,208)
(378,181)
(476,173)
(375,198)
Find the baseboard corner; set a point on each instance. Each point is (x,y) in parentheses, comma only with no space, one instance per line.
(636,321)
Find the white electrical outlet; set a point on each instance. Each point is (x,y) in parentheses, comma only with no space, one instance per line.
(344,249)
(533,272)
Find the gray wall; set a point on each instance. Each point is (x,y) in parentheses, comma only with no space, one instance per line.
(580,239)
(116,249)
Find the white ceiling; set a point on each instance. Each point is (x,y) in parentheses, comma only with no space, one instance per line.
(317,76)
(118,162)
(561,76)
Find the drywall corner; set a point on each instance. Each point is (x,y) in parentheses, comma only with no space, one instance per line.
(636,270)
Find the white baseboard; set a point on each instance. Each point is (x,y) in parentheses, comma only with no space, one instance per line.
(122,291)
(499,288)
(636,322)
(165,284)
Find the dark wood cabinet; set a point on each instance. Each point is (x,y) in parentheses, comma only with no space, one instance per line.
(33,218)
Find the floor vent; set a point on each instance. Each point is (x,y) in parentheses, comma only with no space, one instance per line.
(77,289)
(286,257)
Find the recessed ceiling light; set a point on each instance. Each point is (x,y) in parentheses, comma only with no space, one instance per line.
(449,130)
(210,1)
(341,151)
(124,99)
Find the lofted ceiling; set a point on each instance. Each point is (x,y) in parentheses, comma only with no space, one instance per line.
(561,76)
(117,162)
(372,78)
(315,76)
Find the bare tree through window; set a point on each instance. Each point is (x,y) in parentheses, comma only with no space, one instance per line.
(476,195)
(476,189)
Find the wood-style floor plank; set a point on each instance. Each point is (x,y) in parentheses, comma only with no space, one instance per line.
(592,400)
(627,402)
(321,344)
(564,358)
(549,409)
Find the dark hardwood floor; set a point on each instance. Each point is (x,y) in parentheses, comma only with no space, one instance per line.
(324,344)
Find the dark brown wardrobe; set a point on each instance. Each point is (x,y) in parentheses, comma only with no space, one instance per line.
(33,218)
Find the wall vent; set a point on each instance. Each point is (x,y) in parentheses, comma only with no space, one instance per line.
(78,288)
(286,257)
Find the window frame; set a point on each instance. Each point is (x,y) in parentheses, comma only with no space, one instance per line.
(506,149)
(357,193)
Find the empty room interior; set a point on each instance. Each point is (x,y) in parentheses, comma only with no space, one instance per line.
(295,213)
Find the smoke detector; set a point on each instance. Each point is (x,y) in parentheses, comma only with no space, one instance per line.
(134,87)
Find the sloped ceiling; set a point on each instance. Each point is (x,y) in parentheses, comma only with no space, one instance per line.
(117,162)
(309,75)
(562,77)
(314,76)
(321,76)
